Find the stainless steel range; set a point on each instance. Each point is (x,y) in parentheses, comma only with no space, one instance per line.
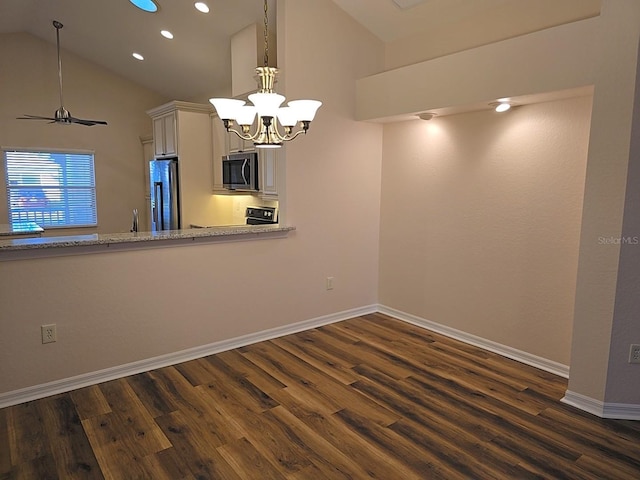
(261,215)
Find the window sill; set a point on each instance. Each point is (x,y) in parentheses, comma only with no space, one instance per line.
(18,230)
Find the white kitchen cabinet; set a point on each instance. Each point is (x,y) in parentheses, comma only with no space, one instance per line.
(165,142)
(268,161)
(220,147)
(144,211)
(193,145)
(247,51)
(237,144)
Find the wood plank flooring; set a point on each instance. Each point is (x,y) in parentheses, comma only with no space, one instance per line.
(371,397)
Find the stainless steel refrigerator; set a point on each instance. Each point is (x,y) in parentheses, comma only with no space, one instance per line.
(165,195)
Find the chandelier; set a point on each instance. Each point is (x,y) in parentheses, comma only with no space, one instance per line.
(266,105)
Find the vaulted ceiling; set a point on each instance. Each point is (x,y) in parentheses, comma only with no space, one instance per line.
(196,63)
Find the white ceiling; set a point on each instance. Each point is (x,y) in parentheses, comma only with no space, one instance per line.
(196,63)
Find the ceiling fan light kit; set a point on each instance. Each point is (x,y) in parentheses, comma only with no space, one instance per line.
(62,115)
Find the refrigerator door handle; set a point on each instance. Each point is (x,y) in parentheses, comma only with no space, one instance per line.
(154,210)
(173,216)
(157,186)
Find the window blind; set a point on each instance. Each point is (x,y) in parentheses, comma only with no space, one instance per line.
(53,189)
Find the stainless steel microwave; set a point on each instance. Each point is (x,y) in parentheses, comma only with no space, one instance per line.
(240,171)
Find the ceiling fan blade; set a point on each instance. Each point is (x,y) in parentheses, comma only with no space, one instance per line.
(88,123)
(34,117)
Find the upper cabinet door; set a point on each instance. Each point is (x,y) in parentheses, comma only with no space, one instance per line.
(164,135)
(220,148)
(268,159)
(170,141)
(237,144)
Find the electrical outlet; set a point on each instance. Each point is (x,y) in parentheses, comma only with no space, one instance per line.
(634,354)
(329,283)
(48,333)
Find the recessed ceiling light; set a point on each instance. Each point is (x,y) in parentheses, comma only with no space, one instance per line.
(426,115)
(137,56)
(146,5)
(166,34)
(501,105)
(202,7)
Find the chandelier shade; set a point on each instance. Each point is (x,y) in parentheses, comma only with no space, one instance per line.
(267,104)
(227,107)
(306,109)
(287,117)
(245,115)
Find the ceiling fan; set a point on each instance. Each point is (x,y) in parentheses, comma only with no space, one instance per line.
(62,115)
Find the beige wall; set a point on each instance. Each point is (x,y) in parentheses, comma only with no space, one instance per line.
(481,220)
(509,19)
(552,60)
(605,319)
(29,85)
(120,307)
(622,375)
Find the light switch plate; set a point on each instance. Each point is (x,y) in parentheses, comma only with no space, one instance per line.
(48,333)
(634,354)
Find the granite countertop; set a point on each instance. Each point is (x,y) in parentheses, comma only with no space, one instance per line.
(141,237)
(22,228)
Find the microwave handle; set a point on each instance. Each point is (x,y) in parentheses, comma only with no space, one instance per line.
(244,165)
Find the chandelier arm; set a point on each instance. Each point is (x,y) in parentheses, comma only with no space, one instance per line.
(304,126)
(243,136)
(291,137)
(288,131)
(275,130)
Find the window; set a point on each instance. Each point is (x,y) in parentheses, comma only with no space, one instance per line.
(52,189)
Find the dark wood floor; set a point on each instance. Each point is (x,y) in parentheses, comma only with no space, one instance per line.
(370,397)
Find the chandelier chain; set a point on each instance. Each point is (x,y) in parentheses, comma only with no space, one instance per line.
(266,35)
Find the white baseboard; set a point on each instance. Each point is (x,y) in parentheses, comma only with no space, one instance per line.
(67,384)
(509,352)
(620,411)
(595,407)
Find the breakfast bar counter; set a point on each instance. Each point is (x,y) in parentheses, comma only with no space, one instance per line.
(96,243)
